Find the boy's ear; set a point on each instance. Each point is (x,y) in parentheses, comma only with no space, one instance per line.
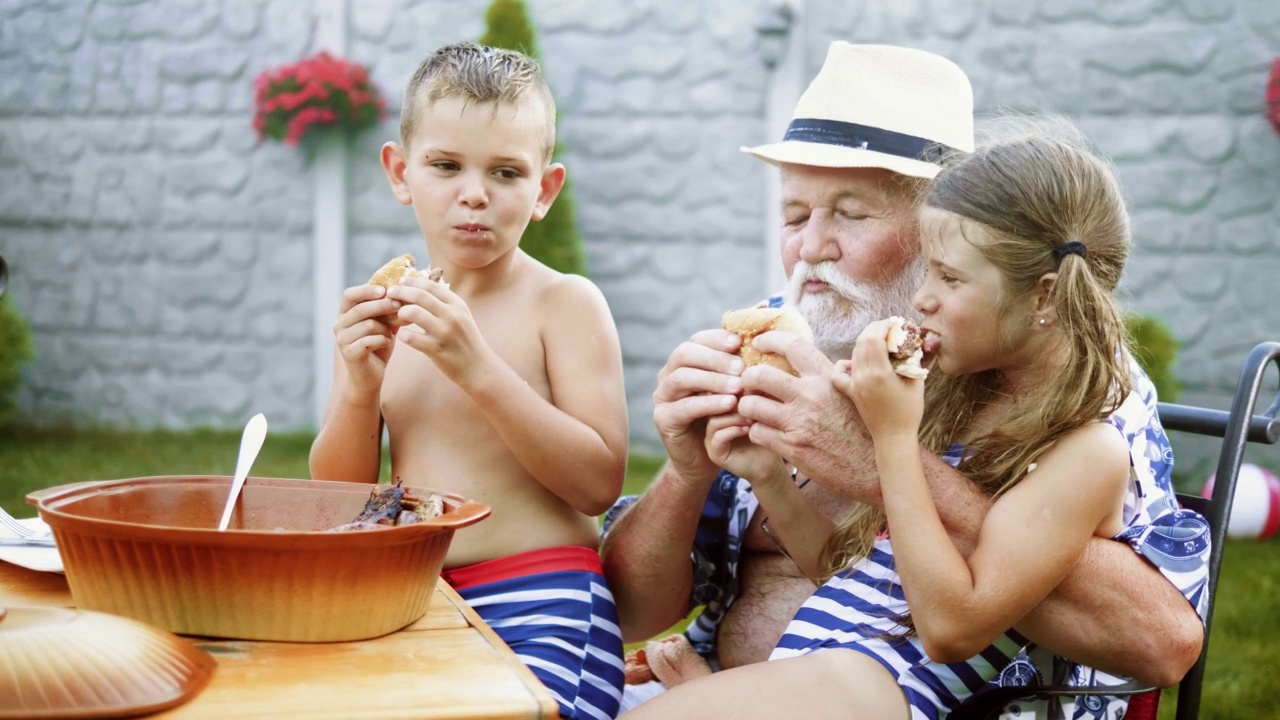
(394,164)
(549,190)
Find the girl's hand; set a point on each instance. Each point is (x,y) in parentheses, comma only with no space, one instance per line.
(440,327)
(889,403)
(363,342)
(730,448)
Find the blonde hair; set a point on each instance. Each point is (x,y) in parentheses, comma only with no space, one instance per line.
(479,74)
(1030,194)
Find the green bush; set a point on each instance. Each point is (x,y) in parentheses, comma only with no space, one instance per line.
(15,351)
(1155,348)
(555,240)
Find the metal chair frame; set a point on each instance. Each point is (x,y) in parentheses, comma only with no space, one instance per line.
(1237,428)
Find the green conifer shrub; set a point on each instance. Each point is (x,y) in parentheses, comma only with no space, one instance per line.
(555,240)
(15,352)
(1155,348)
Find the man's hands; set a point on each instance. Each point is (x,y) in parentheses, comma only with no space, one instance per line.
(729,447)
(700,380)
(646,551)
(807,421)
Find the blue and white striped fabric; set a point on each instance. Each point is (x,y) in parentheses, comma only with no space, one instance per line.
(563,625)
(856,608)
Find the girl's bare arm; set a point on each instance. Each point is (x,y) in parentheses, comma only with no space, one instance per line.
(1032,537)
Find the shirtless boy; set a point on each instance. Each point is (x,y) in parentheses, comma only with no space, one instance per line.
(505,384)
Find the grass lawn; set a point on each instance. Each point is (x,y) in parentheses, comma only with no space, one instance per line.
(1243,679)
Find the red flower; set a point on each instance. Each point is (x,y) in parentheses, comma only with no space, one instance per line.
(1273,95)
(320,90)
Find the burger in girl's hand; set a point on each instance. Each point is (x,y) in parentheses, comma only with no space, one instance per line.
(905,343)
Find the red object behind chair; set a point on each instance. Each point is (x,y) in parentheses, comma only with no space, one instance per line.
(1144,706)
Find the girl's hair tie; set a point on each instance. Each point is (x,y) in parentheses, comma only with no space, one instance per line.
(1067,248)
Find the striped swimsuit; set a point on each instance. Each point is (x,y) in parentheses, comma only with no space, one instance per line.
(553,608)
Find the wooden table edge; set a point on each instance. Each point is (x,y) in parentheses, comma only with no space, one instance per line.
(547,706)
(544,703)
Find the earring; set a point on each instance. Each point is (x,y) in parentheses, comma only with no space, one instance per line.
(1041,321)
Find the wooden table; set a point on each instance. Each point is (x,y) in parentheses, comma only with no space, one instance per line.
(448,664)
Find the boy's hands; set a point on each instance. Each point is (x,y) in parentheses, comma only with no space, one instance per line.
(890,404)
(729,447)
(364,343)
(440,327)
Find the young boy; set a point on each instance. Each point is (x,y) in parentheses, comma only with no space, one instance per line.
(505,385)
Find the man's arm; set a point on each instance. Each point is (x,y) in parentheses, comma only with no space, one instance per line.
(646,555)
(1117,613)
(1113,611)
(646,550)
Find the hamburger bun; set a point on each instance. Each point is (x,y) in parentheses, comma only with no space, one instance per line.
(905,344)
(750,322)
(396,271)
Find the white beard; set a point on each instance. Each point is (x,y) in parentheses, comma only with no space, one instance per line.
(839,316)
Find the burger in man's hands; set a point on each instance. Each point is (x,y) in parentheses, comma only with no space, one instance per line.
(750,322)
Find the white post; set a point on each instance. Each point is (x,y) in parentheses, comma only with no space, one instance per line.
(328,218)
(784,29)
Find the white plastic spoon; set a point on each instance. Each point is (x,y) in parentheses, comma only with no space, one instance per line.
(250,443)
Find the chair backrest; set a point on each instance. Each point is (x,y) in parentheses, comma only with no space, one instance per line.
(1237,427)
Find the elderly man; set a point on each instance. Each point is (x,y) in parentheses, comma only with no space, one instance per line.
(865,139)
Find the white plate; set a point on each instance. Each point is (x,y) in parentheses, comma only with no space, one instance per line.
(32,557)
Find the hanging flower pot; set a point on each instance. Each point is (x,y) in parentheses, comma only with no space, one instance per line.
(321,90)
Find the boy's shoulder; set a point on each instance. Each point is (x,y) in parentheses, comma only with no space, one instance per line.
(556,287)
(566,301)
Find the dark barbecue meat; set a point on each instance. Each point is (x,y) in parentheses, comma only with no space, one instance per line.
(390,505)
(383,506)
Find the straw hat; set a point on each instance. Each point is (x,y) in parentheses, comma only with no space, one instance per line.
(878,106)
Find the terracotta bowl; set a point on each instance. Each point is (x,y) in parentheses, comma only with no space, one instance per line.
(149,549)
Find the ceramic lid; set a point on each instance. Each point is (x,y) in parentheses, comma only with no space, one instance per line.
(59,662)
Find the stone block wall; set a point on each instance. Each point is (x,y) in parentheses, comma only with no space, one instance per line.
(155,247)
(163,255)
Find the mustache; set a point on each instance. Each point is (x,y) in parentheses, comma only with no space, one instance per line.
(829,273)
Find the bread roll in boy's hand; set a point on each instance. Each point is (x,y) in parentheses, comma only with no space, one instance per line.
(905,344)
(750,322)
(394,272)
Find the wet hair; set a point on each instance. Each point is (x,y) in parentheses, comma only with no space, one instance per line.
(1028,194)
(479,74)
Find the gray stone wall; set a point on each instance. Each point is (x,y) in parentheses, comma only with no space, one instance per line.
(163,256)
(154,246)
